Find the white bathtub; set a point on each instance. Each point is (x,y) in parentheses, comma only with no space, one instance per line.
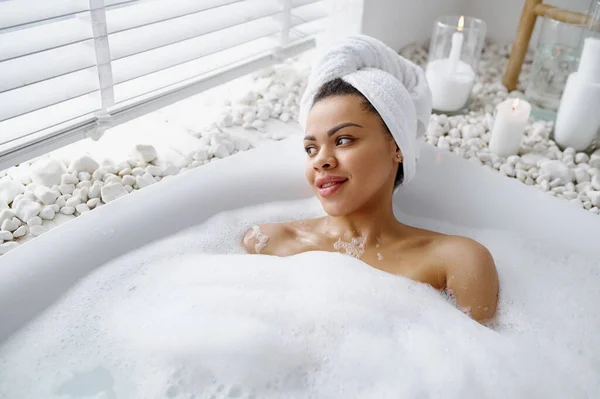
(35,275)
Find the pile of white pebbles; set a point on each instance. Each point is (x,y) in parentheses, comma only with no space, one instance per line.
(34,193)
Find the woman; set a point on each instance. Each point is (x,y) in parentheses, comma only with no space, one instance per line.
(354,163)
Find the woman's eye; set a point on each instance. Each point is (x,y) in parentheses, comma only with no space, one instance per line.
(339,141)
(310,150)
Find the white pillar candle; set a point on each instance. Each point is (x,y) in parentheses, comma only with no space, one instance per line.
(509,126)
(450,79)
(578,116)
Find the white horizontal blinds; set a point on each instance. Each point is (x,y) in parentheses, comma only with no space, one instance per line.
(158,43)
(309,18)
(48,72)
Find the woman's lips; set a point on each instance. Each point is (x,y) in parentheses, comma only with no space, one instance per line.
(333,188)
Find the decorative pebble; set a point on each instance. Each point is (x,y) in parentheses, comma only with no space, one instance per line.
(45,195)
(153,170)
(9,189)
(128,180)
(37,230)
(111,192)
(26,209)
(145,152)
(6,235)
(67,210)
(8,225)
(48,213)
(94,202)
(82,208)
(36,220)
(66,188)
(20,232)
(47,171)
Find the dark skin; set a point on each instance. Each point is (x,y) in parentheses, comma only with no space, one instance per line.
(341,138)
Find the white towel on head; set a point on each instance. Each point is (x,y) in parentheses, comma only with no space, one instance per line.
(395,86)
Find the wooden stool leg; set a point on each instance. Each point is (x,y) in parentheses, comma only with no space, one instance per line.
(520,45)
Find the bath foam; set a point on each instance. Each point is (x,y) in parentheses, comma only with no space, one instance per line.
(176,319)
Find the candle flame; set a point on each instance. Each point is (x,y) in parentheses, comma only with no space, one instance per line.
(461,23)
(515,104)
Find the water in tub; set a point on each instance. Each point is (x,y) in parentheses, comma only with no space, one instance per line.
(193,316)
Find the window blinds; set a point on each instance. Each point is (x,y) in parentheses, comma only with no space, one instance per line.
(69,66)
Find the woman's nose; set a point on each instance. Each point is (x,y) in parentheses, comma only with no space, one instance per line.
(325,160)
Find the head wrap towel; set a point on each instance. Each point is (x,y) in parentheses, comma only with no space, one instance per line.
(395,86)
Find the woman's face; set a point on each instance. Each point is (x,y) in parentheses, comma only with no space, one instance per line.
(351,159)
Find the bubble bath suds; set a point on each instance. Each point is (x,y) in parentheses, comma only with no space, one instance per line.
(199,324)
(260,237)
(354,248)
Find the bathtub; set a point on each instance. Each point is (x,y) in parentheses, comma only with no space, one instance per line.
(447,188)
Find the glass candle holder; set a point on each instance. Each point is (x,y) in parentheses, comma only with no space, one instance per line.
(556,56)
(454,52)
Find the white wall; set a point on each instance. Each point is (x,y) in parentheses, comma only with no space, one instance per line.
(400,22)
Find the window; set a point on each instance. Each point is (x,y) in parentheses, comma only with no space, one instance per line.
(71,68)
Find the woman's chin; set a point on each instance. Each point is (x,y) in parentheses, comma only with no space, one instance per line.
(335,208)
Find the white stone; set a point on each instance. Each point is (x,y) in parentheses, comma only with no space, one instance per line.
(581,175)
(569,195)
(241,143)
(37,230)
(9,189)
(17,221)
(98,174)
(47,213)
(74,201)
(20,232)
(3,205)
(128,180)
(8,225)
(82,208)
(220,151)
(84,163)
(144,181)
(94,202)
(146,152)
(84,176)
(508,169)
(109,178)
(123,172)
(66,188)
(169,170)
(258,124)
(27,209)
(111,192)
(128,188)
(594,197)
(61,201)
(596,182)
(513,159)
(557,169)
(153,170)
(20,173)
(284,117)
(95,190)
(67,210)
(5,235)
(200,155)
(138,171)
(36,220)
(82,184)
(263,114)
(47,171)
(8,246)
(226,121)
(45,195)
(582,157)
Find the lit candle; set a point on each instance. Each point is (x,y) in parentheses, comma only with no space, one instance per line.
(456,49)
(509,126)
(578,116)
(450,79)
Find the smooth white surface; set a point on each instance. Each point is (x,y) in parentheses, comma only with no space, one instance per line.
(509,125)
(578,116)
(589,64)
(450,91)
(446,188)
